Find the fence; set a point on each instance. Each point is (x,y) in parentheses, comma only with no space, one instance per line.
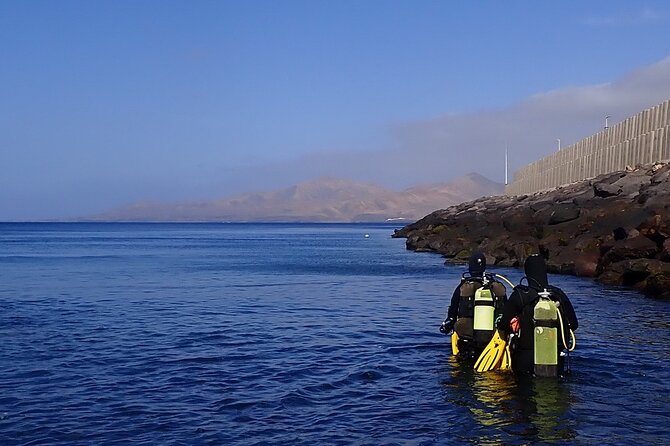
(640,139)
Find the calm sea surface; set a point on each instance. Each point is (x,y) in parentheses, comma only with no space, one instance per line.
(168,334)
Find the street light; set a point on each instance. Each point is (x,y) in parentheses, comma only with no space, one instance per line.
(559,143)
(606,118)
(505,164)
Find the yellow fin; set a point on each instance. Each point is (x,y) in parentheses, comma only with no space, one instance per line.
(492,356)
(454,343)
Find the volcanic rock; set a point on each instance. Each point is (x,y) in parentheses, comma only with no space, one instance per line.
(615,227)
(605,190)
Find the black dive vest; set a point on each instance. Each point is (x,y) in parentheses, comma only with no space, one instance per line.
(490,295)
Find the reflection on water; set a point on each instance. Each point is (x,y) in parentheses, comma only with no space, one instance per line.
(544,407)
(518,409)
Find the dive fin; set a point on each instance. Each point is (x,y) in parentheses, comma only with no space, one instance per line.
(454,343)
(490,361)
(486,357)
(492,356)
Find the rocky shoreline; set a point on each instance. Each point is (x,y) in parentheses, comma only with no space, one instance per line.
(615,228)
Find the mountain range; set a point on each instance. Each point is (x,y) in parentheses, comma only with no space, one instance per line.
(321,200)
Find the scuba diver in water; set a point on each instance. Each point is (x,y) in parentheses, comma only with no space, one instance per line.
(475,304)
(533,333)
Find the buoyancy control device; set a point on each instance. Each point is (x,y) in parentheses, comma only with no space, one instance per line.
(481,301)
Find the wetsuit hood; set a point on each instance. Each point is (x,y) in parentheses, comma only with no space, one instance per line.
(477,264)
(536,272)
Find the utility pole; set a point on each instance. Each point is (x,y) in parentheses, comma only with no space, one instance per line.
(505,164)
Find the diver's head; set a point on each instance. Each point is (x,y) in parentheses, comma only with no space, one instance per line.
(536,272)
(477,264)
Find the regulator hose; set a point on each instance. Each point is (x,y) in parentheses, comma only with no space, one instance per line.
(572,334)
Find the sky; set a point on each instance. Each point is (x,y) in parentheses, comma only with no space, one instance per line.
(107,103)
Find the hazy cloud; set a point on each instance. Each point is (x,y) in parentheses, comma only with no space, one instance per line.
(446,146)
(646,15)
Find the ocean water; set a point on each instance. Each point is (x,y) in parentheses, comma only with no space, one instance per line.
(291,334)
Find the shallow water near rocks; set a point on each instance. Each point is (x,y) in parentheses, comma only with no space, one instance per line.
(258,334)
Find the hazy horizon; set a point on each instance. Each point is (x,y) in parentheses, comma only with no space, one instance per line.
(109,103)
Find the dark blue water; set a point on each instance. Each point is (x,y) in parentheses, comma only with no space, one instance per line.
(164,334)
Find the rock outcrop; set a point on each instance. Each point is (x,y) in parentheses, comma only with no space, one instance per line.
(615,227)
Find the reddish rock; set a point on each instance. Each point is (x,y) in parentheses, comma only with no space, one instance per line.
(665,252)
(586,264)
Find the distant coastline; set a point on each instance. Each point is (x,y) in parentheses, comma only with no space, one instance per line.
(329,200)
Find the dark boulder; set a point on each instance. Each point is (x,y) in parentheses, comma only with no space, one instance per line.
(620,233)
(656,227)
(541,205)
(661,176)
(564,212)
(604,190)
(631,184)
(583,198)
(609,178)
(631,248)
(647,275)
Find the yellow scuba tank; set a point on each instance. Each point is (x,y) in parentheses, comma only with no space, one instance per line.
(483,309)
(545,336)
(483,313)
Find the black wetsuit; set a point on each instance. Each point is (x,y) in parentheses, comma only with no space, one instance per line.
(521,303)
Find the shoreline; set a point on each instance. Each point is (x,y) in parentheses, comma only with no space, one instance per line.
(614,228)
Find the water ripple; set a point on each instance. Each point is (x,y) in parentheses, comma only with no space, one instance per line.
(183,335)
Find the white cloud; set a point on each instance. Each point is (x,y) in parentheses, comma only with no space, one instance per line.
(474,141)
(646,15)
(451,145)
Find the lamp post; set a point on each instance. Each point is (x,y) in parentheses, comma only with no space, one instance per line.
(559,143)
(606,118)
(505,164)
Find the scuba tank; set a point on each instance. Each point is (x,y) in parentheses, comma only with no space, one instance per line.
(545,335)
(484,309)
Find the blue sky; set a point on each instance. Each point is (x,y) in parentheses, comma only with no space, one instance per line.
(105,103)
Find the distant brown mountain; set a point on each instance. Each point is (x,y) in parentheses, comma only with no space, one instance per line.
(322,200)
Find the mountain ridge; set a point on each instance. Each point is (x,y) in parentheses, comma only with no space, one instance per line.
(325,199)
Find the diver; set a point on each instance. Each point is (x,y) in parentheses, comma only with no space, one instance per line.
(475,304)
(537,321)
